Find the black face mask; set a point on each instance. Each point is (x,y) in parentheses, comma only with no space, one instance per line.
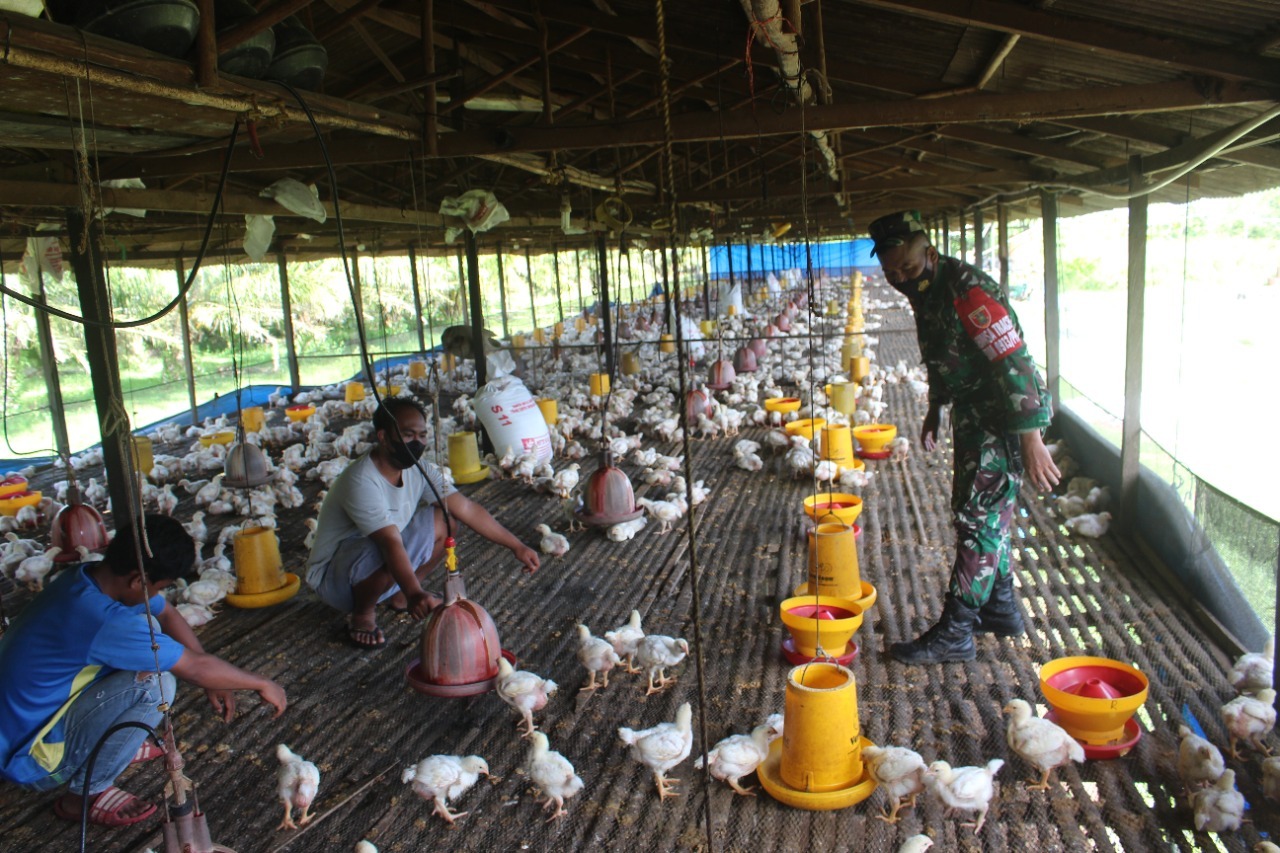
(405,455)
(912,286)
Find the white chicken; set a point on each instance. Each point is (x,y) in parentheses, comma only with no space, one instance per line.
(1091,525)
(205,593)
(627,530)
(968,789)
(626,638)
(1220,807)
(365,846)
(297,780)
(655,653)
(552,774)
(310,538)
(1199,761)
(899,771)
(564,482)
(196,529)
(442,778)
(1271,778)
(666,513)
(195,615)
(208,493)
(526,692)
(799,458)
(662,747)
(1253,670)
(1250,719)
(596,655)
(737,756)
(1041,743)
(32,570)
(826,471)
(899,449)
(552,543)
(916,844)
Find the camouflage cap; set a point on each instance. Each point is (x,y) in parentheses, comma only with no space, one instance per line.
(894,229)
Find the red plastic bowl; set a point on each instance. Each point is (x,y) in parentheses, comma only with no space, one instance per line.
(820,611)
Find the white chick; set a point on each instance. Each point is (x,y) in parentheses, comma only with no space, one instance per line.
(626,638)
(627,530)
(552,543)
(655,653)
(800,457)
(208,493)
(441,778)
(27,518)
(1250,718)
(524,691)
(968,789)
(1199,762)
(826,471)
(899,449)
(195,615)
(1042,743)
(1092,525)
(166,500)
(565,481)
(298,780)
(32,570)
(737,756)
(552,774)
(596,655)
(1271,778)
(855,478)
(1220,807)
(205,593)
(365,846)
(916,844)
(310,538)
(899,771)
(196,528)
(666,513)
(1253,671)
(749,462)
(662,747)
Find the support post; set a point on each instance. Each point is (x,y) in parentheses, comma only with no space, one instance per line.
(946,235)
(528,271)
(286,307)
(577,258)
(417,297)
(555,262)
(355,280)
(666,291)
(462,290)
(706,283)
(502,294)
(100,350)
(748,285)
(188,363)
(1052,340)
(206,46)
(978,246)
(606,311)
(964,238)
(477,311)
(430,127)
(1131,430)
(1002,226)
(49,364)
(728,252)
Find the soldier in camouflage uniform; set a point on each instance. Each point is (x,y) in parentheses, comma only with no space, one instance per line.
(977,362)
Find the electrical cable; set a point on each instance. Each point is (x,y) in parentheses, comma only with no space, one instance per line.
(88,773)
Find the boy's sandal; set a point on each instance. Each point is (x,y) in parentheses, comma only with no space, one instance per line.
(105,810)
(366,638)
(148,751)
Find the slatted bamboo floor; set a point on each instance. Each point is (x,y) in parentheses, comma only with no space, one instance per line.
(352,714)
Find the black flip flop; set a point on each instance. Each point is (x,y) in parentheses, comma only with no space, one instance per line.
(353,635)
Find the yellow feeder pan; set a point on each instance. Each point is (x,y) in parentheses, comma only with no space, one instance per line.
(817,763)
(226,436)
(821,620)
(838,506)
(782,404)
(667,343)
(866,599)
(389,390)
(417,370)
(837,444)
(260,580)
(550,410)
(299,414)
(598,384)
(355,392)
(253,419)
(143,461)
(448,362)
(1093,698)
(630,364)
(12,503)
(873,440)
(12,485)
(464,458)
(805,427)
(859,368)
(539,336)
(708,327)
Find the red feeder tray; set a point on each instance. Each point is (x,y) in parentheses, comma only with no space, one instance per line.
(883,454)
(417,680)
(795,658)
(1115,749)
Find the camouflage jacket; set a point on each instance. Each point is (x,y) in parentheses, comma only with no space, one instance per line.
(974,351)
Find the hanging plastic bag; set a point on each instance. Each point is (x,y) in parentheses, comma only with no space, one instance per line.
(479,210)
(772,283)
(512,418)
(732,296)
(297,197)
(258,231)
(43,253)
(125,184)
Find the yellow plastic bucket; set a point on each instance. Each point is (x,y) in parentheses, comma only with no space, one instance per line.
(844,397)
(448,362)
(708,327)
(599,384)
(630,364)
(580,323)
(539,336)
(837,444)
(833,561)
(253,419)
(355,392)
(143,460)
(821,747)
(517,341)
(417,370)
(550,410)
(859,367)
(464,453)
(667,343)
(257,561)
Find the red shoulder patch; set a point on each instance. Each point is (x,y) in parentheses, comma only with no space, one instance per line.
(988,324)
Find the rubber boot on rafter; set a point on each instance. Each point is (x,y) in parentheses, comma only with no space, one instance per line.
(948,641)
(1001,615)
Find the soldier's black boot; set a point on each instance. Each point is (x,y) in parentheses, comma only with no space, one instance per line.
(950,640)
(1001,615)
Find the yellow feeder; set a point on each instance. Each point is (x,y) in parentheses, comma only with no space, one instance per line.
(417,370)
(1094,698)
(840,506)
(823,621)
(253,419)
(805,427)
(708,327)
(299,413)
(143,459)
(844,397)
(630,364)
(857,279)
(731,310)
(389,390)
(866,597)
(599,384)
(859,368)
(817,764)
(782,404)
(260,579)
(355,392)
(10,504)
(837,444)
(580,323)
(833,560)
(464,458)
(539,336)
(874,439)
(550,410)
(517,341)
(448,362)
(225,436)
(667,343)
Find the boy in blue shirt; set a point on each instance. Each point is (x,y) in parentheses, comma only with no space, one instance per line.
(80,659)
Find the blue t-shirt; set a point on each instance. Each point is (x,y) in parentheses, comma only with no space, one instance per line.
(68,637)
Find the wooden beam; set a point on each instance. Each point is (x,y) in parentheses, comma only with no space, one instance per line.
(1131,427)
(206,47)
(1052,331)
(1014,107)
(184,325)
(1090,34)
(286,310)
(511,71)
(336,25)
(1021,144)
(242,32)
(431,126)
(1002,244)
(1151,134)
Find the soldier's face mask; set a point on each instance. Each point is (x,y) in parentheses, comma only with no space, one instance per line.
(912,275)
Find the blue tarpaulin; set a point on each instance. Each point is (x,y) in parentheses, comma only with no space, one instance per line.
(839,255)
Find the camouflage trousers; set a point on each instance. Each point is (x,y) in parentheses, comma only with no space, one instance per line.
(984,494)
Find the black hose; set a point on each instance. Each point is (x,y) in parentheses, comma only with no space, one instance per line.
(88,773)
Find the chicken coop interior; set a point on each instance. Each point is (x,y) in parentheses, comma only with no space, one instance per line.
(651,220)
